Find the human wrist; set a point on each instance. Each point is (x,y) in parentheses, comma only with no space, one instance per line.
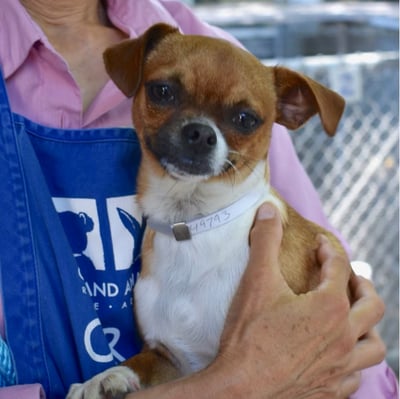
(204,384)
(229,378)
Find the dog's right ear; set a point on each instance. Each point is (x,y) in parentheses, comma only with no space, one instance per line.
(124,61)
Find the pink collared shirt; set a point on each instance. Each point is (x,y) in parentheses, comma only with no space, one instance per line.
(42,89)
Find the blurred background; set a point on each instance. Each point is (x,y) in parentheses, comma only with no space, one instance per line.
(352,47)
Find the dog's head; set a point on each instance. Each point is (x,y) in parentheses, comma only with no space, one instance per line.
(204,108)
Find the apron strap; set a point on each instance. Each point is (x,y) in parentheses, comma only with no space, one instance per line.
(45,310)
(13,229)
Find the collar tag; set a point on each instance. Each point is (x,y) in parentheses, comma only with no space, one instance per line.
(181,231)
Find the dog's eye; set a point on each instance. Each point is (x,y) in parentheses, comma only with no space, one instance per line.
(245,121)
(161,93)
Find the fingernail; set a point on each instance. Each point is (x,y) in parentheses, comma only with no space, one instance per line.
(322,239)
(266,211)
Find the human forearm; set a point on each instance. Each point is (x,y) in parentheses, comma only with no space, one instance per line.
(216,381)
(212,382)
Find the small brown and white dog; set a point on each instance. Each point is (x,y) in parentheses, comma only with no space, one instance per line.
(203,110)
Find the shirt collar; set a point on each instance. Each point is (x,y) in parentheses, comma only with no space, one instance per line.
(18,35)
(17,27)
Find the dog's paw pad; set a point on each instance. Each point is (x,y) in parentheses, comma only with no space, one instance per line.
(113,383)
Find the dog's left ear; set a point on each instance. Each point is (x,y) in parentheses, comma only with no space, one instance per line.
(124,61)
(300,97)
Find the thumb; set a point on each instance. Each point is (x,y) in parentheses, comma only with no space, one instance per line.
(266,232)
(263,269)
(257,287)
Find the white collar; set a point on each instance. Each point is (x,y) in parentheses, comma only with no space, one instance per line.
(182,231)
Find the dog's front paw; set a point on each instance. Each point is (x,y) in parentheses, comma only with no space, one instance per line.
(113,383)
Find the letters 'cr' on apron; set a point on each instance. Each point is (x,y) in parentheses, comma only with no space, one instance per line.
(70,236)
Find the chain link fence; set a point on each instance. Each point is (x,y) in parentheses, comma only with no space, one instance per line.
(357,172)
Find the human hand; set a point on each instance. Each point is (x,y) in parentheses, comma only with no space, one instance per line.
(280,345)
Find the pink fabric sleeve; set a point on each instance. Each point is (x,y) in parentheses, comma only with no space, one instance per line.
(31,391)
(378,382)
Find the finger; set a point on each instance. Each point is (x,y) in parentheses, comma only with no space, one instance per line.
(335,268)
(368,308)
(368,351)
(265,239)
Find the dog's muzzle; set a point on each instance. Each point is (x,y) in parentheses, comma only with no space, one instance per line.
(195,149)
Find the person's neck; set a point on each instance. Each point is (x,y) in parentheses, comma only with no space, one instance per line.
(53,16)
(79,30)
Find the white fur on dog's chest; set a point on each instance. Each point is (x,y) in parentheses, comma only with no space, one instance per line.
(183,304)
(184,297)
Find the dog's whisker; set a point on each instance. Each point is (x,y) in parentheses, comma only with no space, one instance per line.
(232,166)
(247,161)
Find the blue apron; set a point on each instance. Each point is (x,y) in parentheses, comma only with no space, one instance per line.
(70,236)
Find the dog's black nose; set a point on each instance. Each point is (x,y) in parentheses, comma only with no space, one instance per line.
(199,135)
